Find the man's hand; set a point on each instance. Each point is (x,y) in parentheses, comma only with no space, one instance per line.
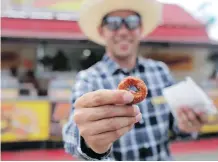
(103,116)
(190,121)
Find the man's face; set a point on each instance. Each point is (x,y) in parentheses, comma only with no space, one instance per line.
(122,39)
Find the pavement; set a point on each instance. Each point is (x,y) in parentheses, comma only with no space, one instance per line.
(200,150)
(206,156)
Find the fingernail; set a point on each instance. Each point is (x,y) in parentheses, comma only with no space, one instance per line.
(136,109)
(128,97)
(138,117)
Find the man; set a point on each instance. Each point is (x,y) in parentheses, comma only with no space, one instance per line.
(102,125)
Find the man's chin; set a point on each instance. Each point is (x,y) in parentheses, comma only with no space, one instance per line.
(123,55)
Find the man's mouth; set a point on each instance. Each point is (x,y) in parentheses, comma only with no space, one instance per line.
(124,46)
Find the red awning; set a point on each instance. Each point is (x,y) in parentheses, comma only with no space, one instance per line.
(177,26)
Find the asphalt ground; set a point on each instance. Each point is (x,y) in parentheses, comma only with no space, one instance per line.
(200,150)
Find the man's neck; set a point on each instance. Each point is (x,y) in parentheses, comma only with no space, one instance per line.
(127,63)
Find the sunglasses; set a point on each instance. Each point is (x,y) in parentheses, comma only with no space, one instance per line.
(114,23)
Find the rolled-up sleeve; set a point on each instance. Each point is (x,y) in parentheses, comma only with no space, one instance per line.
(73,143)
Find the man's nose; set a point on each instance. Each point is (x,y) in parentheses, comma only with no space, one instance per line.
(123,30)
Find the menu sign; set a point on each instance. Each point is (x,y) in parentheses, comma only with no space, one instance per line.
(40,9)
(40,15)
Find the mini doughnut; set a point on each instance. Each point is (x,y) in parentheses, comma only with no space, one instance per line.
(139,84)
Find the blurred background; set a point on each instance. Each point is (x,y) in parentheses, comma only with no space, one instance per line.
(42,49)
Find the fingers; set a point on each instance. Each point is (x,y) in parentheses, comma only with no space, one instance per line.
(102,142)
(182,116)
(184,122)
(192,118)
(110,137)
(202,117)
(98,113)
(104,97)
(108,125)
(190,121)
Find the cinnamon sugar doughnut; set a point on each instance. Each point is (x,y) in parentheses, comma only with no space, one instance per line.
(141,92)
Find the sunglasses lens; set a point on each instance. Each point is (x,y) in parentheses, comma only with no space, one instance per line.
(132,22)
(113,23)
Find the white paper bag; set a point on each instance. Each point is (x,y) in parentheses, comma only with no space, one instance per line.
(188,93)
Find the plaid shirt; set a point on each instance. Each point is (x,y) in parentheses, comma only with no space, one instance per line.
(149,138)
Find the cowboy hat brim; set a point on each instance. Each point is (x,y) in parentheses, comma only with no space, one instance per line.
(93,11)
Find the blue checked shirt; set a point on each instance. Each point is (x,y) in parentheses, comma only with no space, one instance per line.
(148,140)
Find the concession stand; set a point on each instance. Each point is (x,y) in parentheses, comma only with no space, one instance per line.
(181,41)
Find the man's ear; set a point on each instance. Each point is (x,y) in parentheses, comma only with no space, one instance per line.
(142,31)
(100,31)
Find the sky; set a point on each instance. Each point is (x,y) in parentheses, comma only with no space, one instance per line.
(190,5)
(193,6)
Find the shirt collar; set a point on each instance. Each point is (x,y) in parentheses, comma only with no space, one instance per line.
(114,68)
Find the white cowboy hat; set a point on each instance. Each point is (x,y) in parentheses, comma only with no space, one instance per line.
(93,11)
